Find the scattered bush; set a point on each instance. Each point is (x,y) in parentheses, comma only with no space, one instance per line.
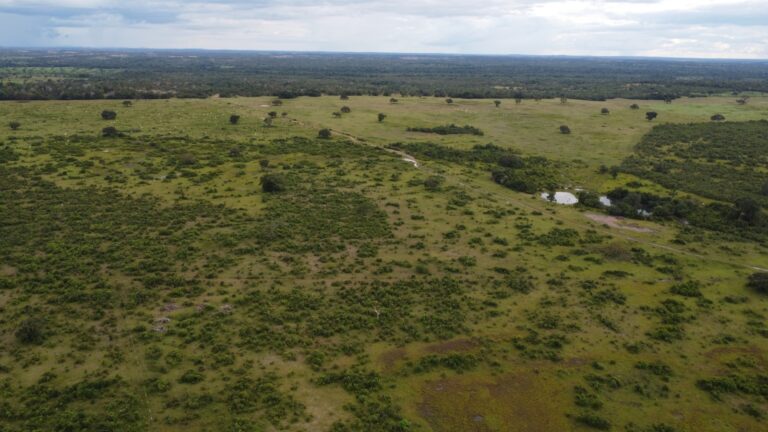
(110,132)
(108,115)
(717,117)
(433,183)
(687,289)
(594,421)
(273,183)
(191,376)
(759,282)
(31,331)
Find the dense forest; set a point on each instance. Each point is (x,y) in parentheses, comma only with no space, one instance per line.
(135,74)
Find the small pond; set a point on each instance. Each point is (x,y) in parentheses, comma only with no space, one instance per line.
(567,198)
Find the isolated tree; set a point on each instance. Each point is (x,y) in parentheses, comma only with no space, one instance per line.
(337,114)
(346,110)
(667,100)
(382,116)
(605,111)
(552,196)
(518,100)
(565,130)
(268,121)
(14,125)
(110,132)
(277,102)
(497,103)
(650,115)
(264,163)
(344,97)
(563,100)
(743,101)
(634,106)
(234,119)
(717,117)
(449,101)
(759,282)
(272,183)
(284,115)
(108,115)
(393,100)
(127,103)
(272,114)
(324,133)
(614,170)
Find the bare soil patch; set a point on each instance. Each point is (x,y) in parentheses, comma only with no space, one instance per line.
(617,222)
(451,346)
(520,402)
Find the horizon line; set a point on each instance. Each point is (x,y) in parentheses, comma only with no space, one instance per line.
(255,51)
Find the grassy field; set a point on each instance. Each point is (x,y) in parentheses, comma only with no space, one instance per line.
(153,282)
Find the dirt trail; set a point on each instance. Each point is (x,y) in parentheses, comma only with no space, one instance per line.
(403,155)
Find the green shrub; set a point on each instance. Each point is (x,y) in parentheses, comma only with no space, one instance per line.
(191,376)
(273,183)
(759,282)
(450,129)
(31,331)
(687,289)
(108,115)
(594,421)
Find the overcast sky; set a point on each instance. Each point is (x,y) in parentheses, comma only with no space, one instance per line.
(676,28)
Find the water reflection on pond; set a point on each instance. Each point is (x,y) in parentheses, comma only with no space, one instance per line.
(565,198)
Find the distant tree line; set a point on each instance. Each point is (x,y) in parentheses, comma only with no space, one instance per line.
(26,75)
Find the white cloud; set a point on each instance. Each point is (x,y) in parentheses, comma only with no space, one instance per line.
(700,28)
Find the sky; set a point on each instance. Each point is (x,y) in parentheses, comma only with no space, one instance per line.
(658,28)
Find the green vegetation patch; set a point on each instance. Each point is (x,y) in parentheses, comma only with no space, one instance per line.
(508,168)
(313,219)
(450,129)
(722,161)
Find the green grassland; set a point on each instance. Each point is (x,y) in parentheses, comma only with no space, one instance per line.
(151,281)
